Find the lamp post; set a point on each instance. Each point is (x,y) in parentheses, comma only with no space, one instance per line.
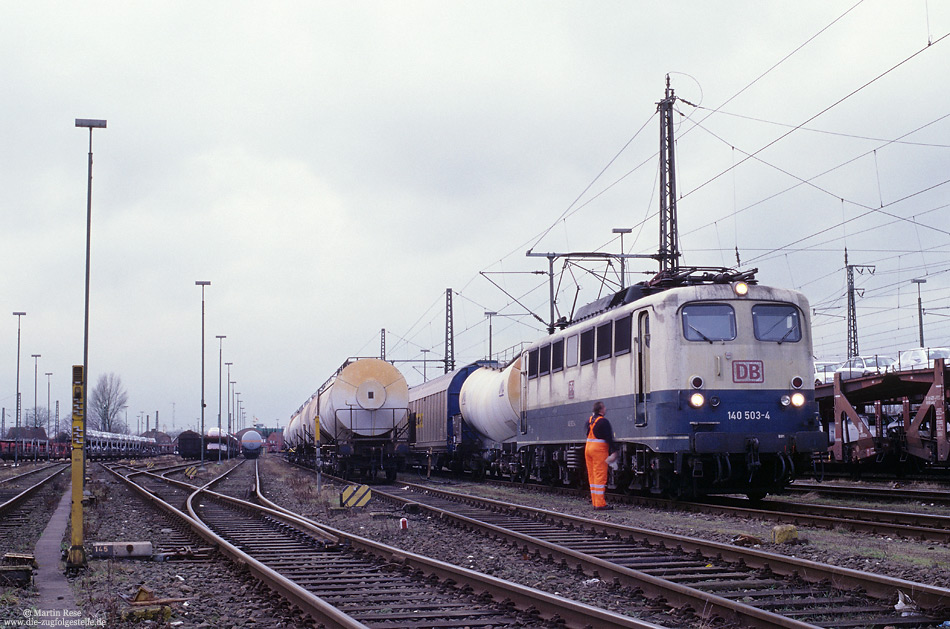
(220,338)
(16,448)
(89,124)
(48,374)
(622,231)
(202,284)
(920,309)
(228,393)
(489,315)
(77,554)
(36,371)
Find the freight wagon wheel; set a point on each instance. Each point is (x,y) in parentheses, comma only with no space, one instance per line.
(756,496)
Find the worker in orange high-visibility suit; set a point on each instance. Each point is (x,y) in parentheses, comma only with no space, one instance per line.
(600,440)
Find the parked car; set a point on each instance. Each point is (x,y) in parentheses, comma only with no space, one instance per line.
(825,371)
(858,366)
(922,358)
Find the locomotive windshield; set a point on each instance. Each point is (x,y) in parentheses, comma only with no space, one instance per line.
(709,322)
(776,322)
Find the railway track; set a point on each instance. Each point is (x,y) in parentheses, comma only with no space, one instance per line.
(905,524)
(868,520)
(892,494)
(17,490)
(751,587)
(346,581)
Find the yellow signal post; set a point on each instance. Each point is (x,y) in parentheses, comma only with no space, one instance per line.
(76,559)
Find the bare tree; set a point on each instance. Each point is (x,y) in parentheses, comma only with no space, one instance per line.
(105,402)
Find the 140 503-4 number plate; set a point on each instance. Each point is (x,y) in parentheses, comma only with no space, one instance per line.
(752,415)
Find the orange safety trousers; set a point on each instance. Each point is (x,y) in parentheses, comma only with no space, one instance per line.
(596,454)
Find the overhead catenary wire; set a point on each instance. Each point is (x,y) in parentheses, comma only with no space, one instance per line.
(583,200)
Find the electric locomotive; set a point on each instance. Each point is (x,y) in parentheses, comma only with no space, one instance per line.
(707,381)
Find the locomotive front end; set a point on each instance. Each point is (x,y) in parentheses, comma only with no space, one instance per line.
(741,389)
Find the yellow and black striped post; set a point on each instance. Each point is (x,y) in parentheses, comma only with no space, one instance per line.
(355,496)
(76,558)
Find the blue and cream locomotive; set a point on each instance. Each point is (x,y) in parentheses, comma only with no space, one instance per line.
(707,381)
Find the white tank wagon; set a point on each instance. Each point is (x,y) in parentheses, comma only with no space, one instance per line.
(252,443)
(300,434)
(359,419)
(491,402)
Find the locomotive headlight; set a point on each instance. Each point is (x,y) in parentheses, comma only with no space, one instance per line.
(786,400)
(798,400)
(696,400)
(741,289)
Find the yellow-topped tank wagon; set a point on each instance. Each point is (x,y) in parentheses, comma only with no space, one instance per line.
(707,380)
(356,422)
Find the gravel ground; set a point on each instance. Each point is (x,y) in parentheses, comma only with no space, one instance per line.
(923,562)
(296,490)
(220,595)
(916,561)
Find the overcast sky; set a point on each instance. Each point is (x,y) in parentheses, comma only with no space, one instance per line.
(333,167)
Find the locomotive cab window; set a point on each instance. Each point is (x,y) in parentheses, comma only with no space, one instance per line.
(587,346)
(533,364)
(709,322)
(623,332)
(776,322)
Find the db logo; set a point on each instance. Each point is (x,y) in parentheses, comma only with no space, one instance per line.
(749,371)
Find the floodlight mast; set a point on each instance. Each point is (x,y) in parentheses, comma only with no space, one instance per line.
(76,558)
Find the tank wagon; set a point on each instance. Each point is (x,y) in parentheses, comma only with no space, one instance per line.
(356,422)
(252,444)
(706,377)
